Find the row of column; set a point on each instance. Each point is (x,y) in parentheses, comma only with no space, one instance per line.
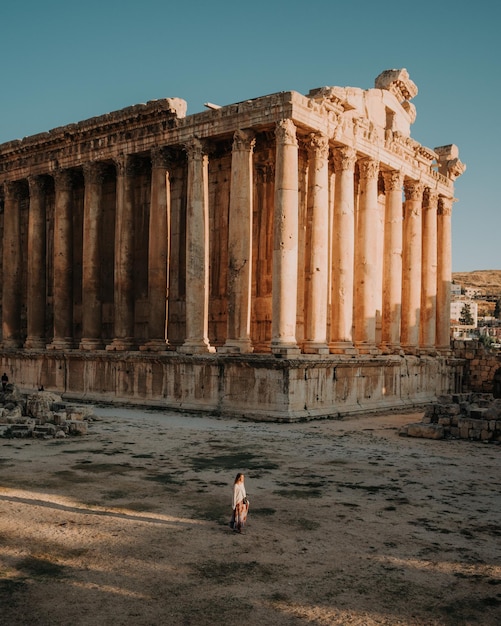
(399,263)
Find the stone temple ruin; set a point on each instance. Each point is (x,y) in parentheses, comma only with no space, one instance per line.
(286,257)
(41,415)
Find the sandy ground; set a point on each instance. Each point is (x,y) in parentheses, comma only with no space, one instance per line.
(349,524)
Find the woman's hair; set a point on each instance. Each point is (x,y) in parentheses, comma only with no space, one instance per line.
(239,476)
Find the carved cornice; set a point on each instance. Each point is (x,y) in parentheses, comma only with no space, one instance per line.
(285,132)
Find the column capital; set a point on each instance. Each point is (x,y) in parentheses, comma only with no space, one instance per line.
(161,158)
(445,205)
(36,184)
(285,132)
(196,148)
(244,139)
(413,189)
(63,180)
(344,158)
(393,180)
(12,190)
(318,145)
(430,198)
(369,168)
(126,164)
(94,172)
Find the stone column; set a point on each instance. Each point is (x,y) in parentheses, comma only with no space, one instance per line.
(343,250)
(197,251)
(240,243)
(392,262)
(63,262)
(158,252)
(428,320)
(318,279)
(124,256)
(36,292)
(91,262)
(12,266)
(285,242)
(444,273)
(411,265)
(367,263)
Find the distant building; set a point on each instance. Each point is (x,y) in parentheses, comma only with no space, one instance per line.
(457,306)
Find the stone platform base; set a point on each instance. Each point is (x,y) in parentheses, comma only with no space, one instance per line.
(255,386)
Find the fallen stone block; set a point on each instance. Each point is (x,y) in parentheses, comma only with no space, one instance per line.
(77,427)
(426,431)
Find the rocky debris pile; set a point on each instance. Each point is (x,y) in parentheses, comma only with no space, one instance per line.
(42,414)
(473,416)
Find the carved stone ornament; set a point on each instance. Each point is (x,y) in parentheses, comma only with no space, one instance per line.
(161,158)
(195,148)
(94,172)
(344,159)
(430,198)
(12,190)
(63,180)
(369,169)
(37,185)
(445,205)
(393,180)
(413,190)
(285,132)
(244,140)
(318,146)
(126,165)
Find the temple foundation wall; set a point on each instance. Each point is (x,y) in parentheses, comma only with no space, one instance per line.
(252,387)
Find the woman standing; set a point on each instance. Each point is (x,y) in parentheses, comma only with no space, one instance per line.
(240,504)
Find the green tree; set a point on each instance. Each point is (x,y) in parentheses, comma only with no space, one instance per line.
(466,318)
(497,309)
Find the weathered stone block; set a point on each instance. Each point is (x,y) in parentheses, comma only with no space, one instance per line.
(427,431)
(444,421)
(77,427)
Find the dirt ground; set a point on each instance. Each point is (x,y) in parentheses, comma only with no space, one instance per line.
(349,524)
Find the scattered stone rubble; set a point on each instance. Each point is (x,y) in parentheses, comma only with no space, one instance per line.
(473,416)
(42,415)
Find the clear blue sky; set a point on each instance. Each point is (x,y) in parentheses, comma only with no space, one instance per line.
(65,61)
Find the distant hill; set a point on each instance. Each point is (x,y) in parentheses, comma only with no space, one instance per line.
(488,281)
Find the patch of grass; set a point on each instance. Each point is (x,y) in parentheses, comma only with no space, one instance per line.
(263,512)
(369,488)
(238,460)
(9,589)
(226,572)
(164,479)
(36,567)
(115,494)
(139,506)
(306,524)
(99,468)
(299,493)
